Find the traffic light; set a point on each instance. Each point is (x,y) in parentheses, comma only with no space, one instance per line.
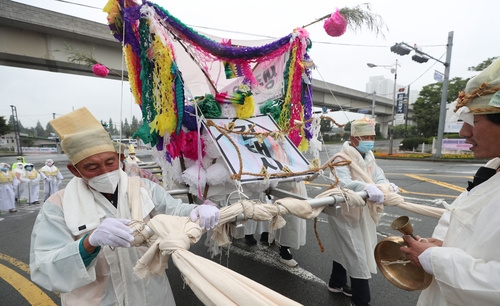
(400,49)
(420,58)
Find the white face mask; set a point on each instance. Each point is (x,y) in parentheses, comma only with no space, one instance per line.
(105,183)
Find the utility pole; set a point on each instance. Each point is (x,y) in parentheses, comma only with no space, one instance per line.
(391,139)
(422,57)
(57,137)
(444,96)
(16,130)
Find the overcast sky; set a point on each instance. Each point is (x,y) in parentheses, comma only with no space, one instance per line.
(38,95)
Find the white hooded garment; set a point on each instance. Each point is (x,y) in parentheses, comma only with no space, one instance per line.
(56,264)
(467,268)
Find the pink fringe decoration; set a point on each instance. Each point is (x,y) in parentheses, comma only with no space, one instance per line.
(335,25)
(176,144)
(190,149)
(100,70)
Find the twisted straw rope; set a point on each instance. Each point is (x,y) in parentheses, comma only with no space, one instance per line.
(482,90)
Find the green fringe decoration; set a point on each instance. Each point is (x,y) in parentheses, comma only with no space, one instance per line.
(147,105)
(272,108)
(209,107)
(179,95)
(145,135)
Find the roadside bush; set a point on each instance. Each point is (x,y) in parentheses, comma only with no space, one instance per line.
(409,144)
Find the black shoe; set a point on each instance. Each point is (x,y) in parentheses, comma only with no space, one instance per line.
(363,304)
(285,253)
(264,237)
(250,240)
(346,290)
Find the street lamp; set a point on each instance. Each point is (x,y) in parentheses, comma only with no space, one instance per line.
(421,57)
(395,71)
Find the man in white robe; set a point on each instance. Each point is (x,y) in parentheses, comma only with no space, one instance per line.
(354,230)
(31,178)
(8,184)
(80,244)
(464,251)
(52,178)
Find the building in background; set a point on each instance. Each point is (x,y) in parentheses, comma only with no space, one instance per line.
(384,87)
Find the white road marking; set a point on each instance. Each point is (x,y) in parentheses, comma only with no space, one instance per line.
(270,257)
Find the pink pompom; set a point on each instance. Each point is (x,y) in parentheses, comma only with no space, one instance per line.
(335,25)
(190,149)
(176,144)
(100,70)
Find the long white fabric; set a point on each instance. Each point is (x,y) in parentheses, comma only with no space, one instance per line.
(467,268)
(56,264)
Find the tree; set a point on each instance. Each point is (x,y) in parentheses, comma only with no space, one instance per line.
(134,125)
(126,129)
(399,131)
(4,127)
(49,129)
(39,131)
(482,65)
(426,108)
(21,127)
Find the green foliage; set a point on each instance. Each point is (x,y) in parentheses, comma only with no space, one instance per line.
(426,108)
(4,127)
(412,143)
(482,65)
(399,131)
(134,125)
(39,131)
(27,141)
(49,129)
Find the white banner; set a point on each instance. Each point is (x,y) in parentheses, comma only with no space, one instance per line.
(271,154)
(270,78)
(455,145)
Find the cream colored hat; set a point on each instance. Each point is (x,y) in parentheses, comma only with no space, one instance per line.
(81,135)
(481,94)
(363,127)
(119,147)
(131,149)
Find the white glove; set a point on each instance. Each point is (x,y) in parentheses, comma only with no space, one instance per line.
(374,194)
(113,232)
(208,213)
(396,188)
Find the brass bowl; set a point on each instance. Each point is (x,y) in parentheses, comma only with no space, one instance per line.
(404,276)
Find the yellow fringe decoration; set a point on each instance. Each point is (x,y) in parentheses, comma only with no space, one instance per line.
(133,77)
(246,109)
(166,119)
(304,145)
